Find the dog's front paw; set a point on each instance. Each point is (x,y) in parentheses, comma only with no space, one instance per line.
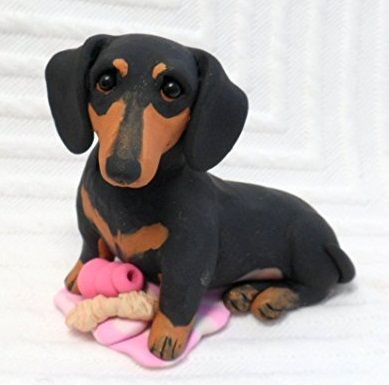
(71,278)
(167,341)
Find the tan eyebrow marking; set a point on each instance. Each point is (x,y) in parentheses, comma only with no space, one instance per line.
(122,66)
(160,67)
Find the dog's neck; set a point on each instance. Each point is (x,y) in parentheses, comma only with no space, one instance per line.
(170,164)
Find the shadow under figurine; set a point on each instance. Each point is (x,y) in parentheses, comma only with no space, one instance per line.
(164,114)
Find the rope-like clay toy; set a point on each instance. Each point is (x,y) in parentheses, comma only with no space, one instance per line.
(112,290)
(136,305)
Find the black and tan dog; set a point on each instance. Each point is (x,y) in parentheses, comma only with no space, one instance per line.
(164,114)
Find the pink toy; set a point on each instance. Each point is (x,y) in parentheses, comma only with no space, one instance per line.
(127,277)
(130,337)
(99,276)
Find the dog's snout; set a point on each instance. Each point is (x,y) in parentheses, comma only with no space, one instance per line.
(123,171)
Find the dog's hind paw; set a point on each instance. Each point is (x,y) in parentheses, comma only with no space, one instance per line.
(239,298)
(273,302)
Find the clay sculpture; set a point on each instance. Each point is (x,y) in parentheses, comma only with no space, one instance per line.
(164,114)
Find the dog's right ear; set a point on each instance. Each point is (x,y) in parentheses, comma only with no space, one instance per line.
(66,75)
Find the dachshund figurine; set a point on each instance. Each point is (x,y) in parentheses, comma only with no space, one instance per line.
(164,114)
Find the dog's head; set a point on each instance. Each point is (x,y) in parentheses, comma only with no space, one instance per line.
(142,95)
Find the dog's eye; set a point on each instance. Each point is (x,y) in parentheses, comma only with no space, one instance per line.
(106,82)
(170,88)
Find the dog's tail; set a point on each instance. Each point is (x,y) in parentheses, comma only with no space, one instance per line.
(342,262)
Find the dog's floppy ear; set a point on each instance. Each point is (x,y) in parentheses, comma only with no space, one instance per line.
(66,75)
(217,117)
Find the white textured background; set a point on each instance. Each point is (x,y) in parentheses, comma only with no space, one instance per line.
(317,74)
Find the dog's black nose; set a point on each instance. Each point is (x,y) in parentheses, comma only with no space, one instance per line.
(124,171)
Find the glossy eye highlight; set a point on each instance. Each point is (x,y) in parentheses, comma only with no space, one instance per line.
(171,88)
(106,82)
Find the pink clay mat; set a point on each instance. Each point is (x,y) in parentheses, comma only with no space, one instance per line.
(130,337)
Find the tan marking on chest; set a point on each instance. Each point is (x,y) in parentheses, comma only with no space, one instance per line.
(150,237)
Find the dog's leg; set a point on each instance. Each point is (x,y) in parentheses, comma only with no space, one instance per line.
(268,300)
(93,247)
(71,278)
(172,326)
(273,302)
(186,275)
(313,274)
(188,262)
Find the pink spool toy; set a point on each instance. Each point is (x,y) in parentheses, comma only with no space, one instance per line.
(99,276)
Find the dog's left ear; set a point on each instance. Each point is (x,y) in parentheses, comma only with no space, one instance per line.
(217,117)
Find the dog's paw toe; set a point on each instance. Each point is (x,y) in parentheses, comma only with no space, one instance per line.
(239,299)
(167,341)
(266,311)
(273,302)
(166,348)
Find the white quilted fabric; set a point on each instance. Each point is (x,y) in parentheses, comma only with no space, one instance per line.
(316,72)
